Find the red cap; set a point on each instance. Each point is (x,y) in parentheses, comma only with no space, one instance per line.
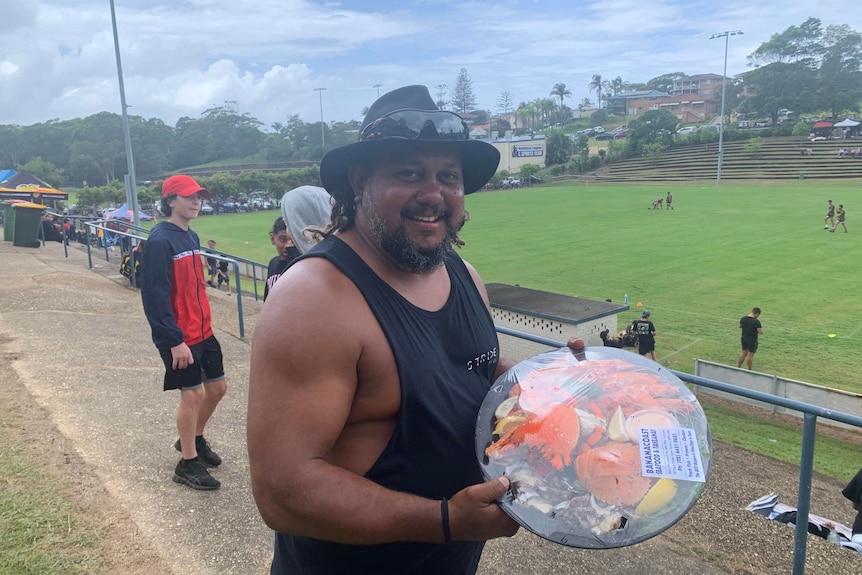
(183,186)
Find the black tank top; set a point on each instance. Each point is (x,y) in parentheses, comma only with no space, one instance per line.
(445,360)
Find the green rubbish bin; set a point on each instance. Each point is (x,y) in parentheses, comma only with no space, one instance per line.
(8,220)
(28,220)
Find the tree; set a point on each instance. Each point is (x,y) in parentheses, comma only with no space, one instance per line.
(45,171)
(11,140)
(463,99)
(528,170)
(840,76)
(559,148)
(779,85)
(505,102)
(653,127)
(560,91)
(664,83)
(585,103)
(441,93)
(799,44)
(597,85)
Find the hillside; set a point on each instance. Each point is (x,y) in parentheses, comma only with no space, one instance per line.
(778,159)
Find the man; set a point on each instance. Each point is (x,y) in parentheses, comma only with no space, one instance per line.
(646,335)
(176,305)
(841,216)
(853,492)
(667,201)
(751,331)
(829,220)
(374,356)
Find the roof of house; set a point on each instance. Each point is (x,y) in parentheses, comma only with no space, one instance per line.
(639,94)
(557,307)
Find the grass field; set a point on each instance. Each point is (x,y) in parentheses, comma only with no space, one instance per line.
(697,268)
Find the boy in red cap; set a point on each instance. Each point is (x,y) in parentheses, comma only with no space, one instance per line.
(175,301)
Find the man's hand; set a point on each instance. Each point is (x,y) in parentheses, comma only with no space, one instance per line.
(182,356)
(475,515)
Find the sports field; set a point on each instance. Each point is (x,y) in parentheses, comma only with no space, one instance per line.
(697,268)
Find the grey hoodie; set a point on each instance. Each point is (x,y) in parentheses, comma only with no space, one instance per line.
(303,207)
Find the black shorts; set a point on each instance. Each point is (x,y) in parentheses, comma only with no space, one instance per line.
(749,345)
(645,347)
(207,367)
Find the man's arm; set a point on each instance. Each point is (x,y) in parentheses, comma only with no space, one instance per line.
(306,364)
(156,280)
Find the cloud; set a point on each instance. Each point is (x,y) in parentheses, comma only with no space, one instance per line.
(181,57)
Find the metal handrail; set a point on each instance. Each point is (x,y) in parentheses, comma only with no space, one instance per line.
(806,465)
(100,225)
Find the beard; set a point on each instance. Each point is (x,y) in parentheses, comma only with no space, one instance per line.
(398,246)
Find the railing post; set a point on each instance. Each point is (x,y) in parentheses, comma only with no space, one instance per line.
(239,300)
(803,502)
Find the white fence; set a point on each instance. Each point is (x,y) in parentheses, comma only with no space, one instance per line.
(826,397)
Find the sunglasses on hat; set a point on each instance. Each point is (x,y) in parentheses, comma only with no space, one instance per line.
(417,124)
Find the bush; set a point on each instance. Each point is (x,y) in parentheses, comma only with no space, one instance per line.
(558,170)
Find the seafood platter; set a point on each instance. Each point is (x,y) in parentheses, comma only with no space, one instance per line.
(603,448)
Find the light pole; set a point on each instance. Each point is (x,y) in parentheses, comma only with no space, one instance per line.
(378,86)
(131,185)
(726,35)
(320,91)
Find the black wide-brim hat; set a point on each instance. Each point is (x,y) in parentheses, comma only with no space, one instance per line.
(479,160)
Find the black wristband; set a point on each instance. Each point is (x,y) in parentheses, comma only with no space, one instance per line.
(444,518)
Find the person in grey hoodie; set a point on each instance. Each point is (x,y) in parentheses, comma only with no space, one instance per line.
(306,211)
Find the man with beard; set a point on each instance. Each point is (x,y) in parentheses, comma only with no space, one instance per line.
(374,355)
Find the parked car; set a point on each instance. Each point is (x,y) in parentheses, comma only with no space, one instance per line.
(511,182)
(599,130)
(605,136)
(533,179)
(621,134)
(687,130)
(206,210)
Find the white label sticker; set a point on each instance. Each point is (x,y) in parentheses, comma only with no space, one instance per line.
(670,452)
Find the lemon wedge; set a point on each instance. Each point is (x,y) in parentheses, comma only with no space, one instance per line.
(617,426)
(507,423)
(657,497)
(505,407)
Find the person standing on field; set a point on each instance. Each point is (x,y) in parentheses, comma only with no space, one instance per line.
(841,216)
(829,220)
(668,201)
(751,331)
(646,335)
(173,291)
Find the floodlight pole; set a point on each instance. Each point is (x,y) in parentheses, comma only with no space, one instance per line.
(131,187)
(726,35)
(320,91)
(378,86)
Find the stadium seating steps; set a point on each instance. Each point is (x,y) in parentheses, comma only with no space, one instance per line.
(779,158)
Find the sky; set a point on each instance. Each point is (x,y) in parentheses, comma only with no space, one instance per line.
(270,58)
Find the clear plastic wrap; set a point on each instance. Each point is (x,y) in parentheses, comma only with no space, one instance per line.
(603,448)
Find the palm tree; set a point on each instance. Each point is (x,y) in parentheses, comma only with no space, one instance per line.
(561,92)
(597,85)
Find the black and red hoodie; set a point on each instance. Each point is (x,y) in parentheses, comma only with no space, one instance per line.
(172,287)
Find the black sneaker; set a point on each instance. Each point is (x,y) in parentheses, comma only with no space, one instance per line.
(195,475)
(207,456)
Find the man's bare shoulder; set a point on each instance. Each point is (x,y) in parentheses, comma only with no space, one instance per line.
(312,283)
